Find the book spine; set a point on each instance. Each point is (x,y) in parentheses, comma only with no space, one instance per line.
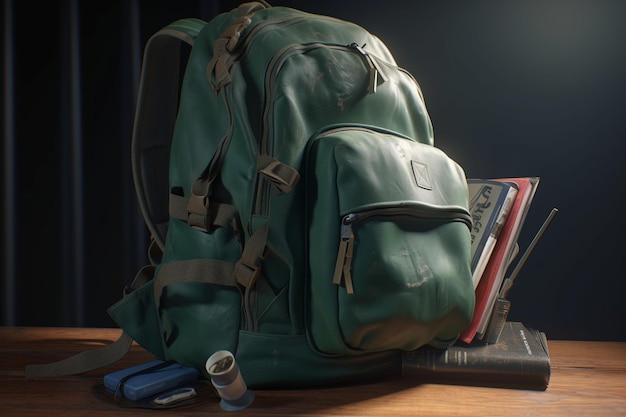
(462,367)
(453,362)
(519,360)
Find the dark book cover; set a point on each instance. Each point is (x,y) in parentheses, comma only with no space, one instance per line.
(519,359)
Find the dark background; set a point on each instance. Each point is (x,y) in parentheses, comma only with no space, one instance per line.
(514,88)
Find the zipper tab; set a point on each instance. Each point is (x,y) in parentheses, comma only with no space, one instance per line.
(374,69)
(343,264)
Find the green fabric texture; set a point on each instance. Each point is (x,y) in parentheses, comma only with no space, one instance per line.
(137,315)
(324,100)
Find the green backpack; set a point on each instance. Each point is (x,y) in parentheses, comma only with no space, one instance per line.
(306,223)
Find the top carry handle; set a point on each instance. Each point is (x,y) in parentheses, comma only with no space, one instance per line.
(154,123)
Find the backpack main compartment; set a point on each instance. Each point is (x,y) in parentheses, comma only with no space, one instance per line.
(287,123)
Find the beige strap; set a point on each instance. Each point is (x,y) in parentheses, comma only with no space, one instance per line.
(143,276)
(341,258)
(281,175)
(210,271)
(194,212)
(343,265)
(347,266)
(248,268)
(198,212)
(155,252)
(219,65)
(96,358)
(83,361)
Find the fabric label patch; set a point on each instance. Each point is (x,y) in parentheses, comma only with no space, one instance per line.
(421,176)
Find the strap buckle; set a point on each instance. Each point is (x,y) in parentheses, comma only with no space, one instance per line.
(281,175)
(246,274)
(198,212)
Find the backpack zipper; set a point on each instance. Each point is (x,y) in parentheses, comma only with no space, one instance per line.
(263,188)
(243,47)
(343,265)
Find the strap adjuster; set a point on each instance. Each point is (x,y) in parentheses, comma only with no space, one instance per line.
(246,275)
(198,212)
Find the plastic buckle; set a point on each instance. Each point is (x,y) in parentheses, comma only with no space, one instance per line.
(198,213)
(247,275)
(234,32)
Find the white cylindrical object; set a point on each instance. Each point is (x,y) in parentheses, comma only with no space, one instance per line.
(227,380)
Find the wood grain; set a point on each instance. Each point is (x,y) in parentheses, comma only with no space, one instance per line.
(588,379)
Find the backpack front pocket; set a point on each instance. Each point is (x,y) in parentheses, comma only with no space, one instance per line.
(388,243)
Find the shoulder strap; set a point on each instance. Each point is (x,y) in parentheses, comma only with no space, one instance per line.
(155,116)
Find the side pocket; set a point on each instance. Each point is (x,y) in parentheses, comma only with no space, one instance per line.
(198,302)
(198,319)
(389,244)
(270,361)
(136,314)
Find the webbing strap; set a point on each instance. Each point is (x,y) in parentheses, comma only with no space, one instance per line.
(83,361)
(219,66)
(248,268)
(155,253)
(96,358)
(210,271)
(343,265)
(145,274)
(202,217)
(281,175)
(155,115)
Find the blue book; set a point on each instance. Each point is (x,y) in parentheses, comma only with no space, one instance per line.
(143,385)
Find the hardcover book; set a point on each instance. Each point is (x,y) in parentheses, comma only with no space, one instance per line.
(519,359)
(489,204)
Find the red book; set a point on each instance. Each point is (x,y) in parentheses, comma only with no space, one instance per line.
(493,276)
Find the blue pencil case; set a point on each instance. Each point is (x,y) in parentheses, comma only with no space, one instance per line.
(148,379)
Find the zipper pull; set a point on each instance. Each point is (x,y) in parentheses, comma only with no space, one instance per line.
(374,68)
(343,264)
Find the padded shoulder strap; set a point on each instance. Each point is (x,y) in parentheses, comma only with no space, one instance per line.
(155,115)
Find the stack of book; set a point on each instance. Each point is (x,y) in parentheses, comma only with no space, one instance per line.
(498,208)
(491,350)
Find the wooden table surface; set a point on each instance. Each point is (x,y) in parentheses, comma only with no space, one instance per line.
(588,379)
